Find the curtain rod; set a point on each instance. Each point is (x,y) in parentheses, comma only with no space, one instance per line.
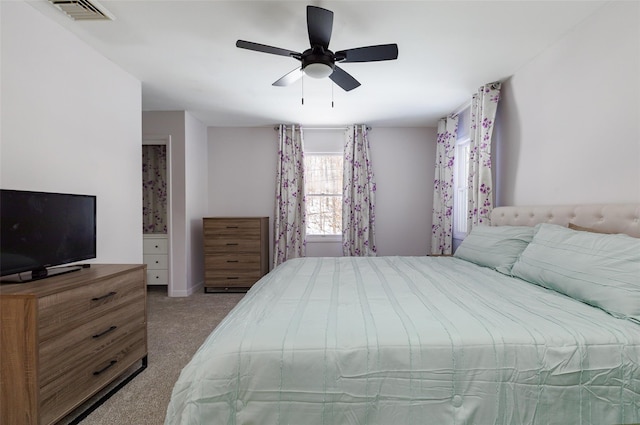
(461,108)
(322,128)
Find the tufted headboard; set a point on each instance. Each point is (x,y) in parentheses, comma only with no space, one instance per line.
(609,218)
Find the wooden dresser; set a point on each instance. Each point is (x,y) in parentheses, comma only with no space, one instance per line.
(66,337)
(236,252)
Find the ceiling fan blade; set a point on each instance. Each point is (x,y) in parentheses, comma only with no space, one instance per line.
(249,45)
(289,78)
(343,79)
(319,26)
(382,52)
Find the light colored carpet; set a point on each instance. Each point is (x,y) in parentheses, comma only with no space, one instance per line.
(176,328)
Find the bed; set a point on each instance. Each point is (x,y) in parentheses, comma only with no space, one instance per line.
(531,322)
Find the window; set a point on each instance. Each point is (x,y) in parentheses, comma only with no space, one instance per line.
(323,159)
(323,191)
(461,176)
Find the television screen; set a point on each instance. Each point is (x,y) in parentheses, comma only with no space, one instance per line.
(40,230)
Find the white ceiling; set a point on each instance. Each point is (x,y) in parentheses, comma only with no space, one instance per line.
(184,53)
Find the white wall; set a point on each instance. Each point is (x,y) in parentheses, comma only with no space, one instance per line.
(242,168)
(403,163)
(71,123)
(170,124)
(188,193)
(569,121)
(196,197)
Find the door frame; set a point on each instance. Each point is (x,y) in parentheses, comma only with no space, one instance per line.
(155,139)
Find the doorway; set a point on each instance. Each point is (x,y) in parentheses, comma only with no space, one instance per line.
(156,210)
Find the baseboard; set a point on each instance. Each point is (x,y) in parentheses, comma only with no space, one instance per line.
(189,291)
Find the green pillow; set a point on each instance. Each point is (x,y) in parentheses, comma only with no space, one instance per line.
(598,269)
(496,247)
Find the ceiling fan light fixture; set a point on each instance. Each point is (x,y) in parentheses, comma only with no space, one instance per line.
(318,70)
(320,62)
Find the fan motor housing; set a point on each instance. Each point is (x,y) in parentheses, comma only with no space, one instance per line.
(318,56)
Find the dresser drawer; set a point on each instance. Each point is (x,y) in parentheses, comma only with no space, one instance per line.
(61,395)
(157,277)
(232,262)
(232,228)
(222,246)
(230,283)
(155,246)
(157,261)
(62,312)
(232,274)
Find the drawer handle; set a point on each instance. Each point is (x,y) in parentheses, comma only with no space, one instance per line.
(111,328)
(157,262)
(111,363)
(232,261)
(157,246)
(229,278)
(110,294)
(232,243)
(232,227)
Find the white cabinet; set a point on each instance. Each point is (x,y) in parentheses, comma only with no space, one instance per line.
(155,252)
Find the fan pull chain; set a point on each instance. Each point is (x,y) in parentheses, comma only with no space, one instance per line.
(331,94)
(302,89)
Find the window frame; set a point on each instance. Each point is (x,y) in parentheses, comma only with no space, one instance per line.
(461,159)
(461,184)
(317,237)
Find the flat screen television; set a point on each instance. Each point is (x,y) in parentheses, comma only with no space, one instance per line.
(40,230)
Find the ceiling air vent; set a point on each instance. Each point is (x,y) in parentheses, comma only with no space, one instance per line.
(82,10)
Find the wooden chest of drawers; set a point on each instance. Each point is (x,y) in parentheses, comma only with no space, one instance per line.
(66,337)
(236,252)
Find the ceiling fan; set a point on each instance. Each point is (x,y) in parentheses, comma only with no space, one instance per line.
(319,61)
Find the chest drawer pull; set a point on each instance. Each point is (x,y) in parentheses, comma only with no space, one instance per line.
(232,227)
(231,244)
(232,261)
(231,278)
(111,363)
(110,294)
(111,328)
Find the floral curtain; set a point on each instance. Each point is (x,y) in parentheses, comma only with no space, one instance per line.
(289,221)
(359,187)
(442,220)
(483,114)
(154,189)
